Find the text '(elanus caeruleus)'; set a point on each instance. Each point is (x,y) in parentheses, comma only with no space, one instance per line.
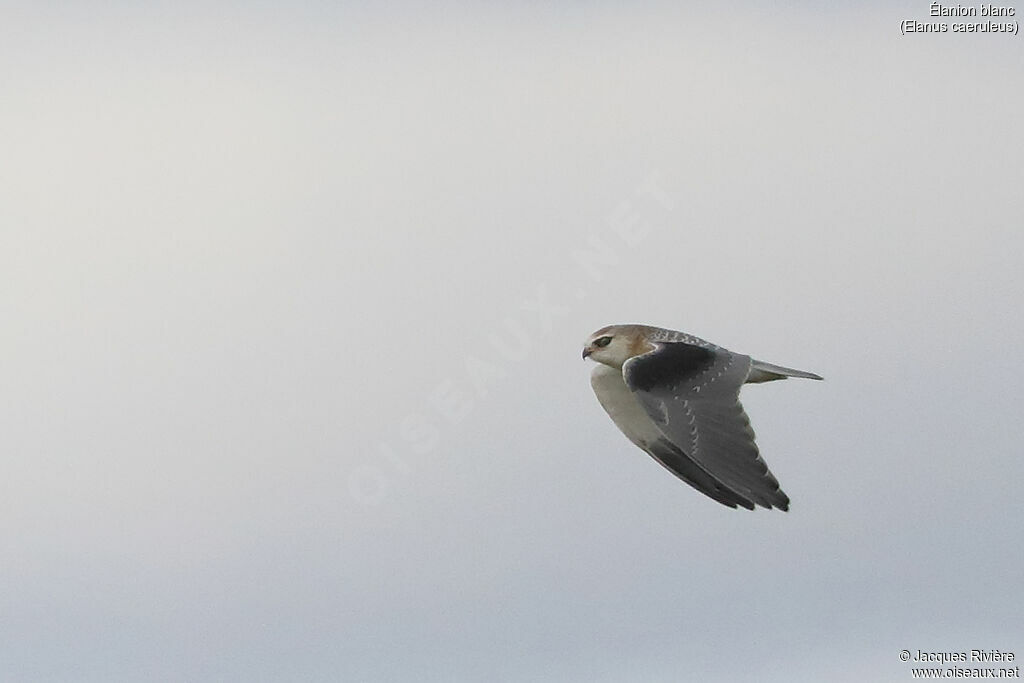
(676,396)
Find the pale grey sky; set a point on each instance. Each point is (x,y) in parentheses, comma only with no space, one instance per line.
(294,298)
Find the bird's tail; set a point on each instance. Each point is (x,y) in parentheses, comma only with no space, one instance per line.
(766,372)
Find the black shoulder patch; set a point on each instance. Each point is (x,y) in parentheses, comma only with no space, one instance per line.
(672,364)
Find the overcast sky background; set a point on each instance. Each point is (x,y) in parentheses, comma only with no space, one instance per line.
(293,301)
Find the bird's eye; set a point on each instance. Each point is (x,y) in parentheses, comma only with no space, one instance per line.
(602,342)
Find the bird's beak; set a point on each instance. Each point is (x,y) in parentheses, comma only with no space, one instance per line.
(586,352)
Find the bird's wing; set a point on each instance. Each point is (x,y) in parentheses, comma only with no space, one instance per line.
(692,395)
(632,419)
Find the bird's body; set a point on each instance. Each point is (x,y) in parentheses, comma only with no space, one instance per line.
(676,396)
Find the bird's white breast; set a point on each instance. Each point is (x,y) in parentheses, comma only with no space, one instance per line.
(622,406)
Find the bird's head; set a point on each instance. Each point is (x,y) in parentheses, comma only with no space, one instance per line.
(615,344)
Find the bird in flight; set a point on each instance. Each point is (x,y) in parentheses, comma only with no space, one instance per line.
(676,396)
